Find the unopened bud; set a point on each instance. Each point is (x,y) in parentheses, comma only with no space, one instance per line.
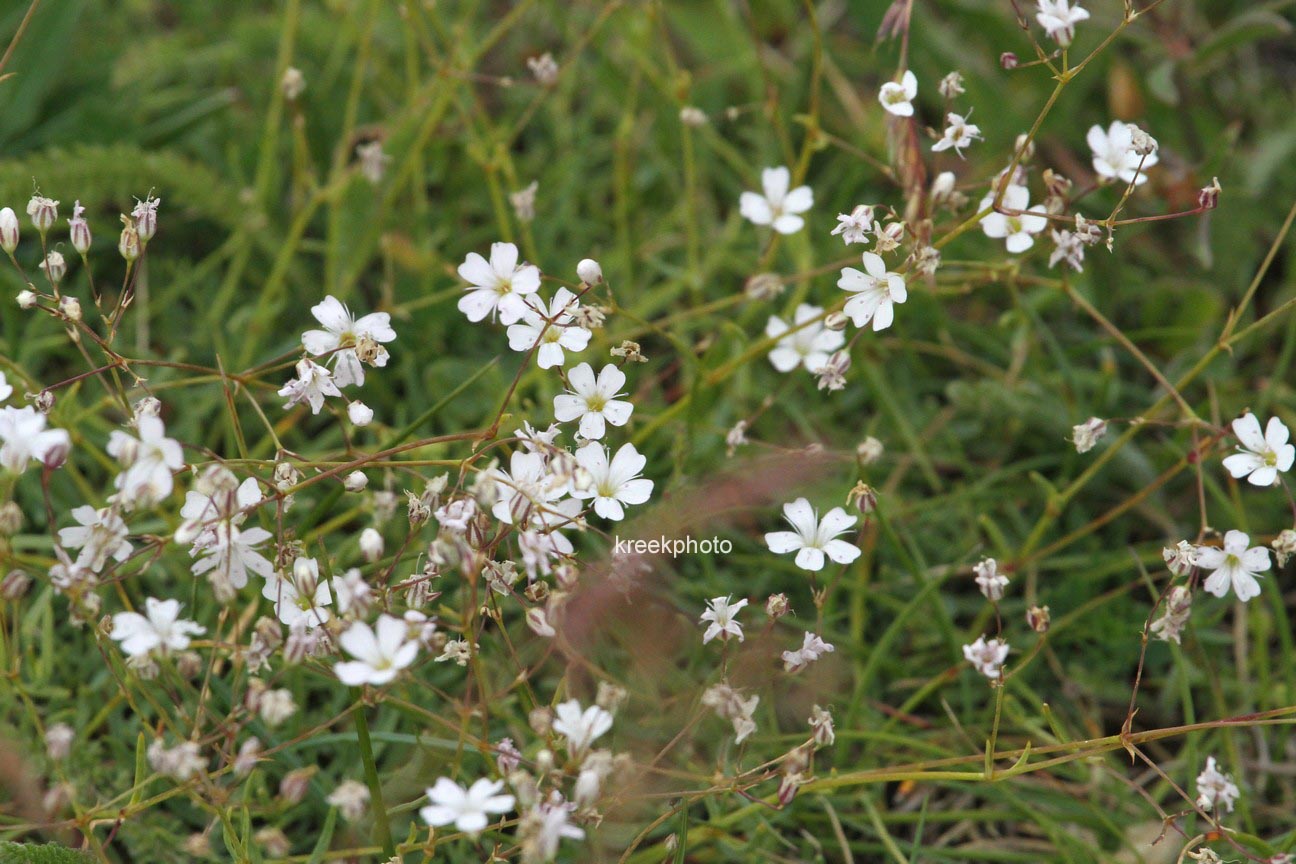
(777,606)
(764,286)
(356,481)
(79,229)
(371,544)
(27,299)
(589,271)
(295,784)
(43,212)
(54,267)
(8,230)
(1208,197)
(129,244)
(1025,145)
(836,321)
(1008,60)
(863,497)
(1037,618)
(14,585)
(71,308)
(360,413)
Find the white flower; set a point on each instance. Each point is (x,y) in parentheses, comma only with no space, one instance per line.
(958,134)
(498,287)
(148,460)
(854,226)
(25,438)
(1260,458)
(468,809)
(162,630)
(543,828)
(1016,230)
(527,487)
(351,798)
(987,657)
(809,346)
(312,384)
(988,578)
(1215,789)
(777,208)
(554,330)
(615,482)
(1085,435)
(292,606)
(221,547)
(729,704)
(380,652)
(5,389)
(721,616)
(593,401)
(1114,156)
(342,333)
(876,291)
(100,535)
(898,99)
(580,728)
(812,537)
(1234,565)
(812,648)
(1058,18)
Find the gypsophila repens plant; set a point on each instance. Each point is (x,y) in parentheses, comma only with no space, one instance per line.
(641,432)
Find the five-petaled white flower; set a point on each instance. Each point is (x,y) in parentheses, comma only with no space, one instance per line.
(988,578)
(958,134)
(553,330)
(148,460)
(546,824)
(812,538)
(987,656)
(294,607)
(778,207)
(499,287)
(1215,789)
(594,401)
(1260,458)
(897,98)
(812,648)
(1235,565)
(721,618)
(467,809)
(1114,157)
(613,482)
(1058,18)
(99,534)
(25,438)
(312,385)
(380,652)
(876,291)
(162,630)
(1016,228)
(342,333)
(580,728)
(525,490)
(809,346)
(854,227)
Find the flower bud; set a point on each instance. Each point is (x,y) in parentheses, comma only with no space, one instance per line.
(836,321)
(11,519)
(356,481)
(692,116)
(1008,60)
(1025,145)
(71,308)
(1207,198)
(145,216)
(56,454)
(863,497)
(1037,618)
(293,83)
(371,544)
(14,585)
(8,230)
(589,271)
(507,757)
(360,413)
(293,787)
(54,267)
(27,299)
(777,606)
(764,286)
(79,229)
(129,244)
(43,212)
(58,741)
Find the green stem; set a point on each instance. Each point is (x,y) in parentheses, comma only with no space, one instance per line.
(371,776)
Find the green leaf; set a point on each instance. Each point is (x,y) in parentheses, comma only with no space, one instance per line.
(19,853)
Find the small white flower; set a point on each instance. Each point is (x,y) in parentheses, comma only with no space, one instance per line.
(988,578)
(351,798)
(1085,435)
(100,535)
(594,401)
(25,438)
(527,487)
(1235,565)
(292,606)
(380,652)
(987,657)
(876,291)
(544,827)
(467,809)
(149,461)
(1215,789)
(372,160)
(958,134)
(1114,157)
(160,629)
(721,618)
(729,703)
(580,728)
(854,227)
(312,385)
(777,208)
(1260,458)
(341,333)
(898,98)
(809,346)
(1015,230)
(613,482)
(812,538)
(812,648)
(498,287)
(1058,18)
(554,331)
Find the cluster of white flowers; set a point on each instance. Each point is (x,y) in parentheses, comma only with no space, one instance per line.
(345,343)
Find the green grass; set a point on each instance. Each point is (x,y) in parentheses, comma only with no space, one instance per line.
(974,391)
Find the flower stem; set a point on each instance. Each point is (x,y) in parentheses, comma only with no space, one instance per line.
(371,776)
